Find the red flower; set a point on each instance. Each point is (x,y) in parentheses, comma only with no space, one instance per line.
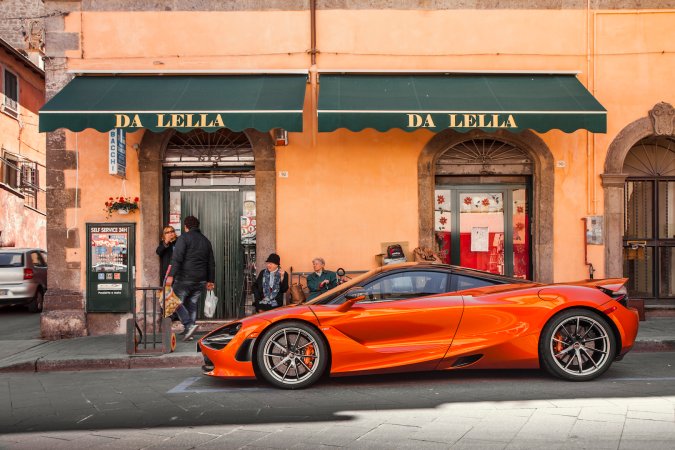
(136,199)
(121,199)
(467,200)
(486,202)
(110,198)
(440,199)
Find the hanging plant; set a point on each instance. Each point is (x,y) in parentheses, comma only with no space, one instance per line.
(121,205)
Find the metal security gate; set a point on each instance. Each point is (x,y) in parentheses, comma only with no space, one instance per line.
(649,238)
(649,220)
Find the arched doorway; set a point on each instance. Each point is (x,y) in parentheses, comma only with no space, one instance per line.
(212,176)
(486,201)
(221,177)
(649,219)
(657,125)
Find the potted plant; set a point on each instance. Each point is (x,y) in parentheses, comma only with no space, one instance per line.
(121,205)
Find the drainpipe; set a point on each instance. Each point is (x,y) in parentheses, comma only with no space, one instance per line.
(313,75)
(312,10)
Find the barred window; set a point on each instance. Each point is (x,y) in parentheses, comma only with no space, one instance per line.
(30,184)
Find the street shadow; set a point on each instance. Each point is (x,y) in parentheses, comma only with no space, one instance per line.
(196,400)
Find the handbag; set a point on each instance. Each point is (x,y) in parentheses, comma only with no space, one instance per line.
(171,301)
(210,304)
(297,294)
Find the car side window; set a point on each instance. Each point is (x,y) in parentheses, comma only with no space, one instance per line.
(35,259)
(404,285)
(466,282)
(44,258)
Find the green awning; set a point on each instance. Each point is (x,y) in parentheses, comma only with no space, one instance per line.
(183,103)
(463,102)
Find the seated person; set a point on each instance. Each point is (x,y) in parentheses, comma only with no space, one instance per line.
(321,280)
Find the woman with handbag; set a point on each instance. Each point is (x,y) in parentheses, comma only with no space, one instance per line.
(271,285)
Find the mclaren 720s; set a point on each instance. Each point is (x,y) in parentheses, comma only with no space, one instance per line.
(423,316)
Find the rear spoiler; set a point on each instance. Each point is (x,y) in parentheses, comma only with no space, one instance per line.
(606,284)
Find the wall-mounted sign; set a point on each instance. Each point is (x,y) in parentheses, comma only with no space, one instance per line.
(117,152)
(594,225)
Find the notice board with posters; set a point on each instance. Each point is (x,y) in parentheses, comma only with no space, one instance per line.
(111,267)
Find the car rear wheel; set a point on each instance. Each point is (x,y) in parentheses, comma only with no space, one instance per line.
(35,306)
(577,345)
(291,355)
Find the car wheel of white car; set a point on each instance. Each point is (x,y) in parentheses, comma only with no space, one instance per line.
(577,345)
(35,306)
(291,355)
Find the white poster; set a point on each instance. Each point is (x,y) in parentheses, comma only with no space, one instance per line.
(479,239)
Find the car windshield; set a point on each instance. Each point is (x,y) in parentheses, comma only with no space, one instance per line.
(11,260)
(327,296)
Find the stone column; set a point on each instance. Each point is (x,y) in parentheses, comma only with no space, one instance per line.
(63,314)
(265,193)
(613,183)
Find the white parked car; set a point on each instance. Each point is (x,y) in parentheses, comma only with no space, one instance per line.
(23,277)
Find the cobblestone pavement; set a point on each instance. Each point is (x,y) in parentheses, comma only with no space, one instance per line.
(631,406)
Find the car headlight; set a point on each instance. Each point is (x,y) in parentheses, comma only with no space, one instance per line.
(221,337)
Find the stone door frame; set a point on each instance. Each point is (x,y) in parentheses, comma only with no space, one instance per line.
(151,155)
(659,121)
(542,186)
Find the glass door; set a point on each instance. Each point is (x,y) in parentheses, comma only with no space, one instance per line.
(485,228)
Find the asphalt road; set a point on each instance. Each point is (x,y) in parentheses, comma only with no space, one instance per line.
(631,406)
(16,323)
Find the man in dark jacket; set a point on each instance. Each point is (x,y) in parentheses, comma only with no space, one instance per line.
(193,268)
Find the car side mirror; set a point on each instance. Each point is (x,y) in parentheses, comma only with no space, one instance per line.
(355,294)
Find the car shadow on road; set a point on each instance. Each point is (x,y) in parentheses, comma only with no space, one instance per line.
(184,398)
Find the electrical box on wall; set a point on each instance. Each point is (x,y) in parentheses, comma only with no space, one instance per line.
(594,233)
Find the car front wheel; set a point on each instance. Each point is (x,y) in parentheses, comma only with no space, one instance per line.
(291,355)
(577,345)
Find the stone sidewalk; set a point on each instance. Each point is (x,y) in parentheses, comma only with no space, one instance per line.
(109,352)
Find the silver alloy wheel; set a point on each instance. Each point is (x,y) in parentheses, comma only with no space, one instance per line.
(291,355)
(580,346)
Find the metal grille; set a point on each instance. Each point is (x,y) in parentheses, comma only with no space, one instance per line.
(484,157)
(220,148)
(651,157)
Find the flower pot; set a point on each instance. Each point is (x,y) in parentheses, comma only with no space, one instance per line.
(122,211)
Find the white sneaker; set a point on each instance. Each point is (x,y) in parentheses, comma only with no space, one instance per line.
(190,332)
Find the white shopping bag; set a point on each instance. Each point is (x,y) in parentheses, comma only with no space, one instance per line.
(210,304)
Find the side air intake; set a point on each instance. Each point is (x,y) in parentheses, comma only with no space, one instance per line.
(466,360)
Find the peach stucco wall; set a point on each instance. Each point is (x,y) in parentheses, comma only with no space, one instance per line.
(346,192)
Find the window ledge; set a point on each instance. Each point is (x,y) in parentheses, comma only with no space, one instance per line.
(10,112)
(36,210)
(10,189)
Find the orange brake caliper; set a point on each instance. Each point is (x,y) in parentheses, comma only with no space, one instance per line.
(309,351)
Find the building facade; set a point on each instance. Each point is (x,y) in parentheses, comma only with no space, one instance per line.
(22,151)
(532,139)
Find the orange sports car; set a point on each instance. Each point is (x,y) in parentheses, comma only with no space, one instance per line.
(423,316)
